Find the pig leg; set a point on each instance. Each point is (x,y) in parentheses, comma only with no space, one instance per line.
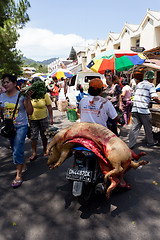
(136,157)
(114,182)
(136,165)
(117,169)
(125,166)
(63,156)
(121,178)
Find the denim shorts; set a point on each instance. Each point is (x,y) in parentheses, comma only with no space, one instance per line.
(37,126)
(17,144)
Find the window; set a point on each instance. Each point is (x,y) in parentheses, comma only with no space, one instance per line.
(137,42)
(88,78)
(72,81)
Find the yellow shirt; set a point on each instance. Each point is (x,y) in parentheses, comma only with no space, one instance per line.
(39,108)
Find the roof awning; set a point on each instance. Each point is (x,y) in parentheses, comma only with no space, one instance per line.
(152,63)
(157,49)
(149,64)
(153,53)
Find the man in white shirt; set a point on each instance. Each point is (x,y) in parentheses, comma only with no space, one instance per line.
(144,92)
(95,108)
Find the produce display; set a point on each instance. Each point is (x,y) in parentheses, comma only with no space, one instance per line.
(114,156)
(51,132)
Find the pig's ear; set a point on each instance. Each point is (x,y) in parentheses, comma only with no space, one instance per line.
(54,155)
(51,144)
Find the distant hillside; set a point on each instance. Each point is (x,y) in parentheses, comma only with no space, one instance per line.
(29,61)
(46,62)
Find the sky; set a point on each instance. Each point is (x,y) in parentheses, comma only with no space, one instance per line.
(57,25)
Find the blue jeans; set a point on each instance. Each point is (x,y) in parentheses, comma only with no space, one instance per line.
(17,144)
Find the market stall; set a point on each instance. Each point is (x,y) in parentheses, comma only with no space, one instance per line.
(155,111)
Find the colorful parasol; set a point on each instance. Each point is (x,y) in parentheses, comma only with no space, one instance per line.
(59,73)
(119,60)
(42,76)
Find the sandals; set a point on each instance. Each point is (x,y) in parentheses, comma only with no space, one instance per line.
(152,144)
(32,158)
(24,170)
(16,183)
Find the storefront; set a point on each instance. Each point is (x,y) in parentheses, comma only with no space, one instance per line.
(151,63)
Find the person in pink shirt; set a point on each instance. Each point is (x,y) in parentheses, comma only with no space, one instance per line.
(126,100)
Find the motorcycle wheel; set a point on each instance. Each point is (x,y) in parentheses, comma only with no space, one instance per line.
(87,192)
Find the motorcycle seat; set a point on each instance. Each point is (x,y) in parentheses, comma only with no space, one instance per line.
(80,148)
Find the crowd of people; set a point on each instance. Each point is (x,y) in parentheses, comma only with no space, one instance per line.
(101,105)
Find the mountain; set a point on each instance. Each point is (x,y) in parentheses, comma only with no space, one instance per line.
(46,62)
(29,61)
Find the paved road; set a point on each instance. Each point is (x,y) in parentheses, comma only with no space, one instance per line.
(44,209)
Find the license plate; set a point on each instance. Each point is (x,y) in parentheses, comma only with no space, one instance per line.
(79,175)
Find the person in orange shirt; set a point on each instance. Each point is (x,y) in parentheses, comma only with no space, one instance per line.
(55,91)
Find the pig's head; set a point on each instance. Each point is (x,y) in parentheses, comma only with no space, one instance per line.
(58,154)
(53,156)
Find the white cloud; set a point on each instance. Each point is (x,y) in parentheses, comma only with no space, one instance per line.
(41,44)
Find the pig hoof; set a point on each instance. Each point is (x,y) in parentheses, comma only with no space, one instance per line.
(124,187)
(51,167)
(142,154)
(144,162)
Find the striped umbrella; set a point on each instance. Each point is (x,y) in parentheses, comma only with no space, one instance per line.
(59,73)
(119,60)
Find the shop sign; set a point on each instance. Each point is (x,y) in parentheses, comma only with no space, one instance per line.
(137,49)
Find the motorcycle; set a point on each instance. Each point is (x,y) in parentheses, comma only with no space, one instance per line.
(86,175)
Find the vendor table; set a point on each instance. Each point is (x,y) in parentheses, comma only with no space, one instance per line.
(155,111)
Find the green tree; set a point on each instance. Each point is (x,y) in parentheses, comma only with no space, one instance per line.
(13,16)
(42,68)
